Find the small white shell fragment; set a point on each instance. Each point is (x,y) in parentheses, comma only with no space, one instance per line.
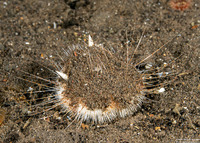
(90,41)
(63,75)
(54,25)
(185,108)
(161,90)
(165,64)
(27,43)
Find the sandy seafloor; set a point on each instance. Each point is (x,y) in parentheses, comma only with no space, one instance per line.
(29,28)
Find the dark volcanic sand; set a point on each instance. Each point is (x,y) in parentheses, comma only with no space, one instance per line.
(31,27)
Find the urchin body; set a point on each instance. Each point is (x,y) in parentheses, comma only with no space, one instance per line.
(98,85)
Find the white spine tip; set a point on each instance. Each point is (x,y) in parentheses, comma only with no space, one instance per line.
(63,75)
(161,90)
(90,41)
(30,89)
(148,66)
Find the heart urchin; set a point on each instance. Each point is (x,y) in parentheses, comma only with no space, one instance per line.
(98,84)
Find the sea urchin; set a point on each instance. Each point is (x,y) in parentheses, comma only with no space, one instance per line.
(98,84)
